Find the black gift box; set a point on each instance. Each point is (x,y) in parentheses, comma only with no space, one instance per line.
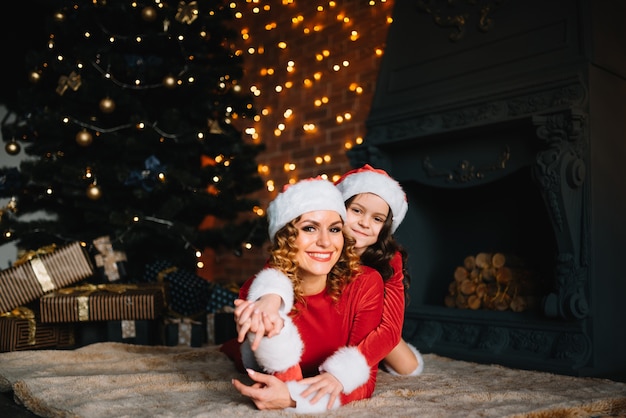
(184,331)
(140,332)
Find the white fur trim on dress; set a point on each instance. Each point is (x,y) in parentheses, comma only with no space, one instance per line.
(418,370)
(268,281)
(303,405)
(348,366)
(280,352)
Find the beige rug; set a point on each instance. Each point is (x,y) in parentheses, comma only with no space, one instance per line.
(119,380)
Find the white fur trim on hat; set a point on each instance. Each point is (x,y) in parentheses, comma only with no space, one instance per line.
(371,180)
(302,197)
(303,405)
(280,352)
(348,366)
(272,281)
(418,370)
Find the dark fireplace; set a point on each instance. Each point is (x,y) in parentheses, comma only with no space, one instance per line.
(507,131)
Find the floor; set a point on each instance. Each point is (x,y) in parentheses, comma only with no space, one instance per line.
(9,409)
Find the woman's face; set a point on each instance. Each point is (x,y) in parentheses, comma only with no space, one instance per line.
(366,216)
(319,243)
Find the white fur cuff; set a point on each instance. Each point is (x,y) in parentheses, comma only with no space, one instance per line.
(303,405)
(418,370)
(280,352)
(348,366)
(268,281)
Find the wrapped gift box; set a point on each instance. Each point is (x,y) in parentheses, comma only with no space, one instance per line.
(21,329)
(221,299)
(42,274)
(220,327)
(184,331)
(144,332)
(103,302)
(189,293)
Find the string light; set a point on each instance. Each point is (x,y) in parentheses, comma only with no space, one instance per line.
(286,111)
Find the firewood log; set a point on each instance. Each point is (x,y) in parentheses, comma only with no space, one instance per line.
(473,301)
(469,263)
(467,287)
(450,301)
(460,274)
(500,260)
(483,260)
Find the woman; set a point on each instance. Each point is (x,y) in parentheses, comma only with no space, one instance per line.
(329,303)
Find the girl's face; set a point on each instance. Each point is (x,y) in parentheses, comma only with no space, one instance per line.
(366,216)
(319,243)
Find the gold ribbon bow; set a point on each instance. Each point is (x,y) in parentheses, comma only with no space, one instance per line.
(72,81)
(187,12)
(89,288)
(29,255)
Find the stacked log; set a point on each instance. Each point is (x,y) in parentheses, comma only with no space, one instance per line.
(493,281)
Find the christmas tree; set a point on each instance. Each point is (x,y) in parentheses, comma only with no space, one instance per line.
(129,124)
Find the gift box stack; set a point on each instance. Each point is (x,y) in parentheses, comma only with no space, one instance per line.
(73,302)
(79,294)
(35,274)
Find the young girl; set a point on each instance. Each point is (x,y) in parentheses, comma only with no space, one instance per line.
(376,206)
(328,304)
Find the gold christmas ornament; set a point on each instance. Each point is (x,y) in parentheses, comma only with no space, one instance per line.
(169,81)
(34,77)
(12,148)
(187,12)
(107,105)
(148,14)
(84,138)
(94,192)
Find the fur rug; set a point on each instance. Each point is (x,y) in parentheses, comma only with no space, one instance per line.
(119,380)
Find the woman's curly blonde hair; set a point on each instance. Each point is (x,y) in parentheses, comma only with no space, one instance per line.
(283,257)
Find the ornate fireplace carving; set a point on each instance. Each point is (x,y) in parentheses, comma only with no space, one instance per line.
(511,112)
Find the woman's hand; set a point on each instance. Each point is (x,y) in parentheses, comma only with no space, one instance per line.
(322,384)
(260,317)
(268,392)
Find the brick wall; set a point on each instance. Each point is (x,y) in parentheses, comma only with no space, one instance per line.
(340,43)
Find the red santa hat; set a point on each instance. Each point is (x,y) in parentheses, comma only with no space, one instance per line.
(304,196)
(368,179)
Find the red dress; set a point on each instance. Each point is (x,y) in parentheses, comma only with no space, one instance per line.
(326,327)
